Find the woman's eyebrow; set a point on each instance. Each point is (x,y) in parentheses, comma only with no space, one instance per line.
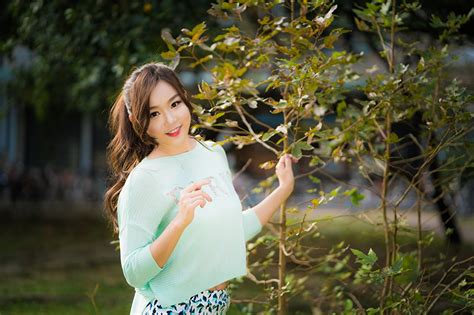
(170,99)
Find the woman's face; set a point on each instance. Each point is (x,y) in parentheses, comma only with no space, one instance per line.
(167,112)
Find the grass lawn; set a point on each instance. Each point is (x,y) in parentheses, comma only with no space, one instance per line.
(69,267)
(54,267)
(62,267)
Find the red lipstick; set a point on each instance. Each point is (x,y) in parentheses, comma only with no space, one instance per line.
(176,133)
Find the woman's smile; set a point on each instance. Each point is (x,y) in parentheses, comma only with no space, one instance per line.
(175,132)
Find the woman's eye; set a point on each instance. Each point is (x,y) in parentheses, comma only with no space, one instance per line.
(175,103)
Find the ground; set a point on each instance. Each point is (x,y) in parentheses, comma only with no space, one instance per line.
(68,266)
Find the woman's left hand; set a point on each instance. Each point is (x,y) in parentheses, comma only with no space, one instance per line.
(284,172)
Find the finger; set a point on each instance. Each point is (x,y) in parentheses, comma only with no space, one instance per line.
(192,200)
(196,198)
(291,159)
(199,193)
(196,203)
(294,159)
(206,196)
(278,163)
(197,185)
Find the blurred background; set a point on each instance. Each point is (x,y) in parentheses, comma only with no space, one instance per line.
(61,66)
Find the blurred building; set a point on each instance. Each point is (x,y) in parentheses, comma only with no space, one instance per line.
(57,157)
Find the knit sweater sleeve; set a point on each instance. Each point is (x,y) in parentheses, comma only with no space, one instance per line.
(251,222)
(140,209)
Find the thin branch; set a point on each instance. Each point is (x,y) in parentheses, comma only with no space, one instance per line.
(252,277)
(237,174)
(438,296)
(442,279)
(249,127)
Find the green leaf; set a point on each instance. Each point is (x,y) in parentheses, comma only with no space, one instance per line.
(385,7)
(348,305)
(397,265)
(341,107)
(333,193)
(298,146)
(206,92)
(355,196)
(167,38)
(175,62)
(296,151)
(201,61)
(373,311)
(329,41)
(267,135)
(197,31)
(393,138)
(314,179)
(361,25)
(364,259)
(168,55)
(315,160)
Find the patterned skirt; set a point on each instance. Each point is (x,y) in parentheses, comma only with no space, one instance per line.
(214,302)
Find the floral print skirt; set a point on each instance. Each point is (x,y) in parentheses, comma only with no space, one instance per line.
(205,302)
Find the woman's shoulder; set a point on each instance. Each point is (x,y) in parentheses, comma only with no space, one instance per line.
(213,146)
(141,185)
(217,149)
(140,177)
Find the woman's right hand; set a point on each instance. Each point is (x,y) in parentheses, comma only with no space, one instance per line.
(191,197)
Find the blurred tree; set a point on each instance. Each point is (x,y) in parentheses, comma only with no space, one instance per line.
(83,50)
(418,25)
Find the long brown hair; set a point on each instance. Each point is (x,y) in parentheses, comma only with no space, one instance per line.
(130,142)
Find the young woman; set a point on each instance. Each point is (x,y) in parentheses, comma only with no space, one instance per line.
(180,222)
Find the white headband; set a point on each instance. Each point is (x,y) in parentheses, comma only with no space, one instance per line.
(128,85)
(126,98)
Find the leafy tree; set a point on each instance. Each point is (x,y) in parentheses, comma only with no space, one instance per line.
(291,53)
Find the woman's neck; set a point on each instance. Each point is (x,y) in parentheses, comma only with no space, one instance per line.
(160,151)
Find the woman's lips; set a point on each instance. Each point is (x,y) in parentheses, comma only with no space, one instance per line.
(176,133)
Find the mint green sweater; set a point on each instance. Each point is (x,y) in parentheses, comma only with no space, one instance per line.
(211,249)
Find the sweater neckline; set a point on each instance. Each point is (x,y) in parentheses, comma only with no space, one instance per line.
(174,156)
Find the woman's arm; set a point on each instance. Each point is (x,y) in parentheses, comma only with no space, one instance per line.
(254,218)
(143,256)
(191,197)
(268,206)
(163,246)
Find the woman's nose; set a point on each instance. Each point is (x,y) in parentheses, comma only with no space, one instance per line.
(170,119)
